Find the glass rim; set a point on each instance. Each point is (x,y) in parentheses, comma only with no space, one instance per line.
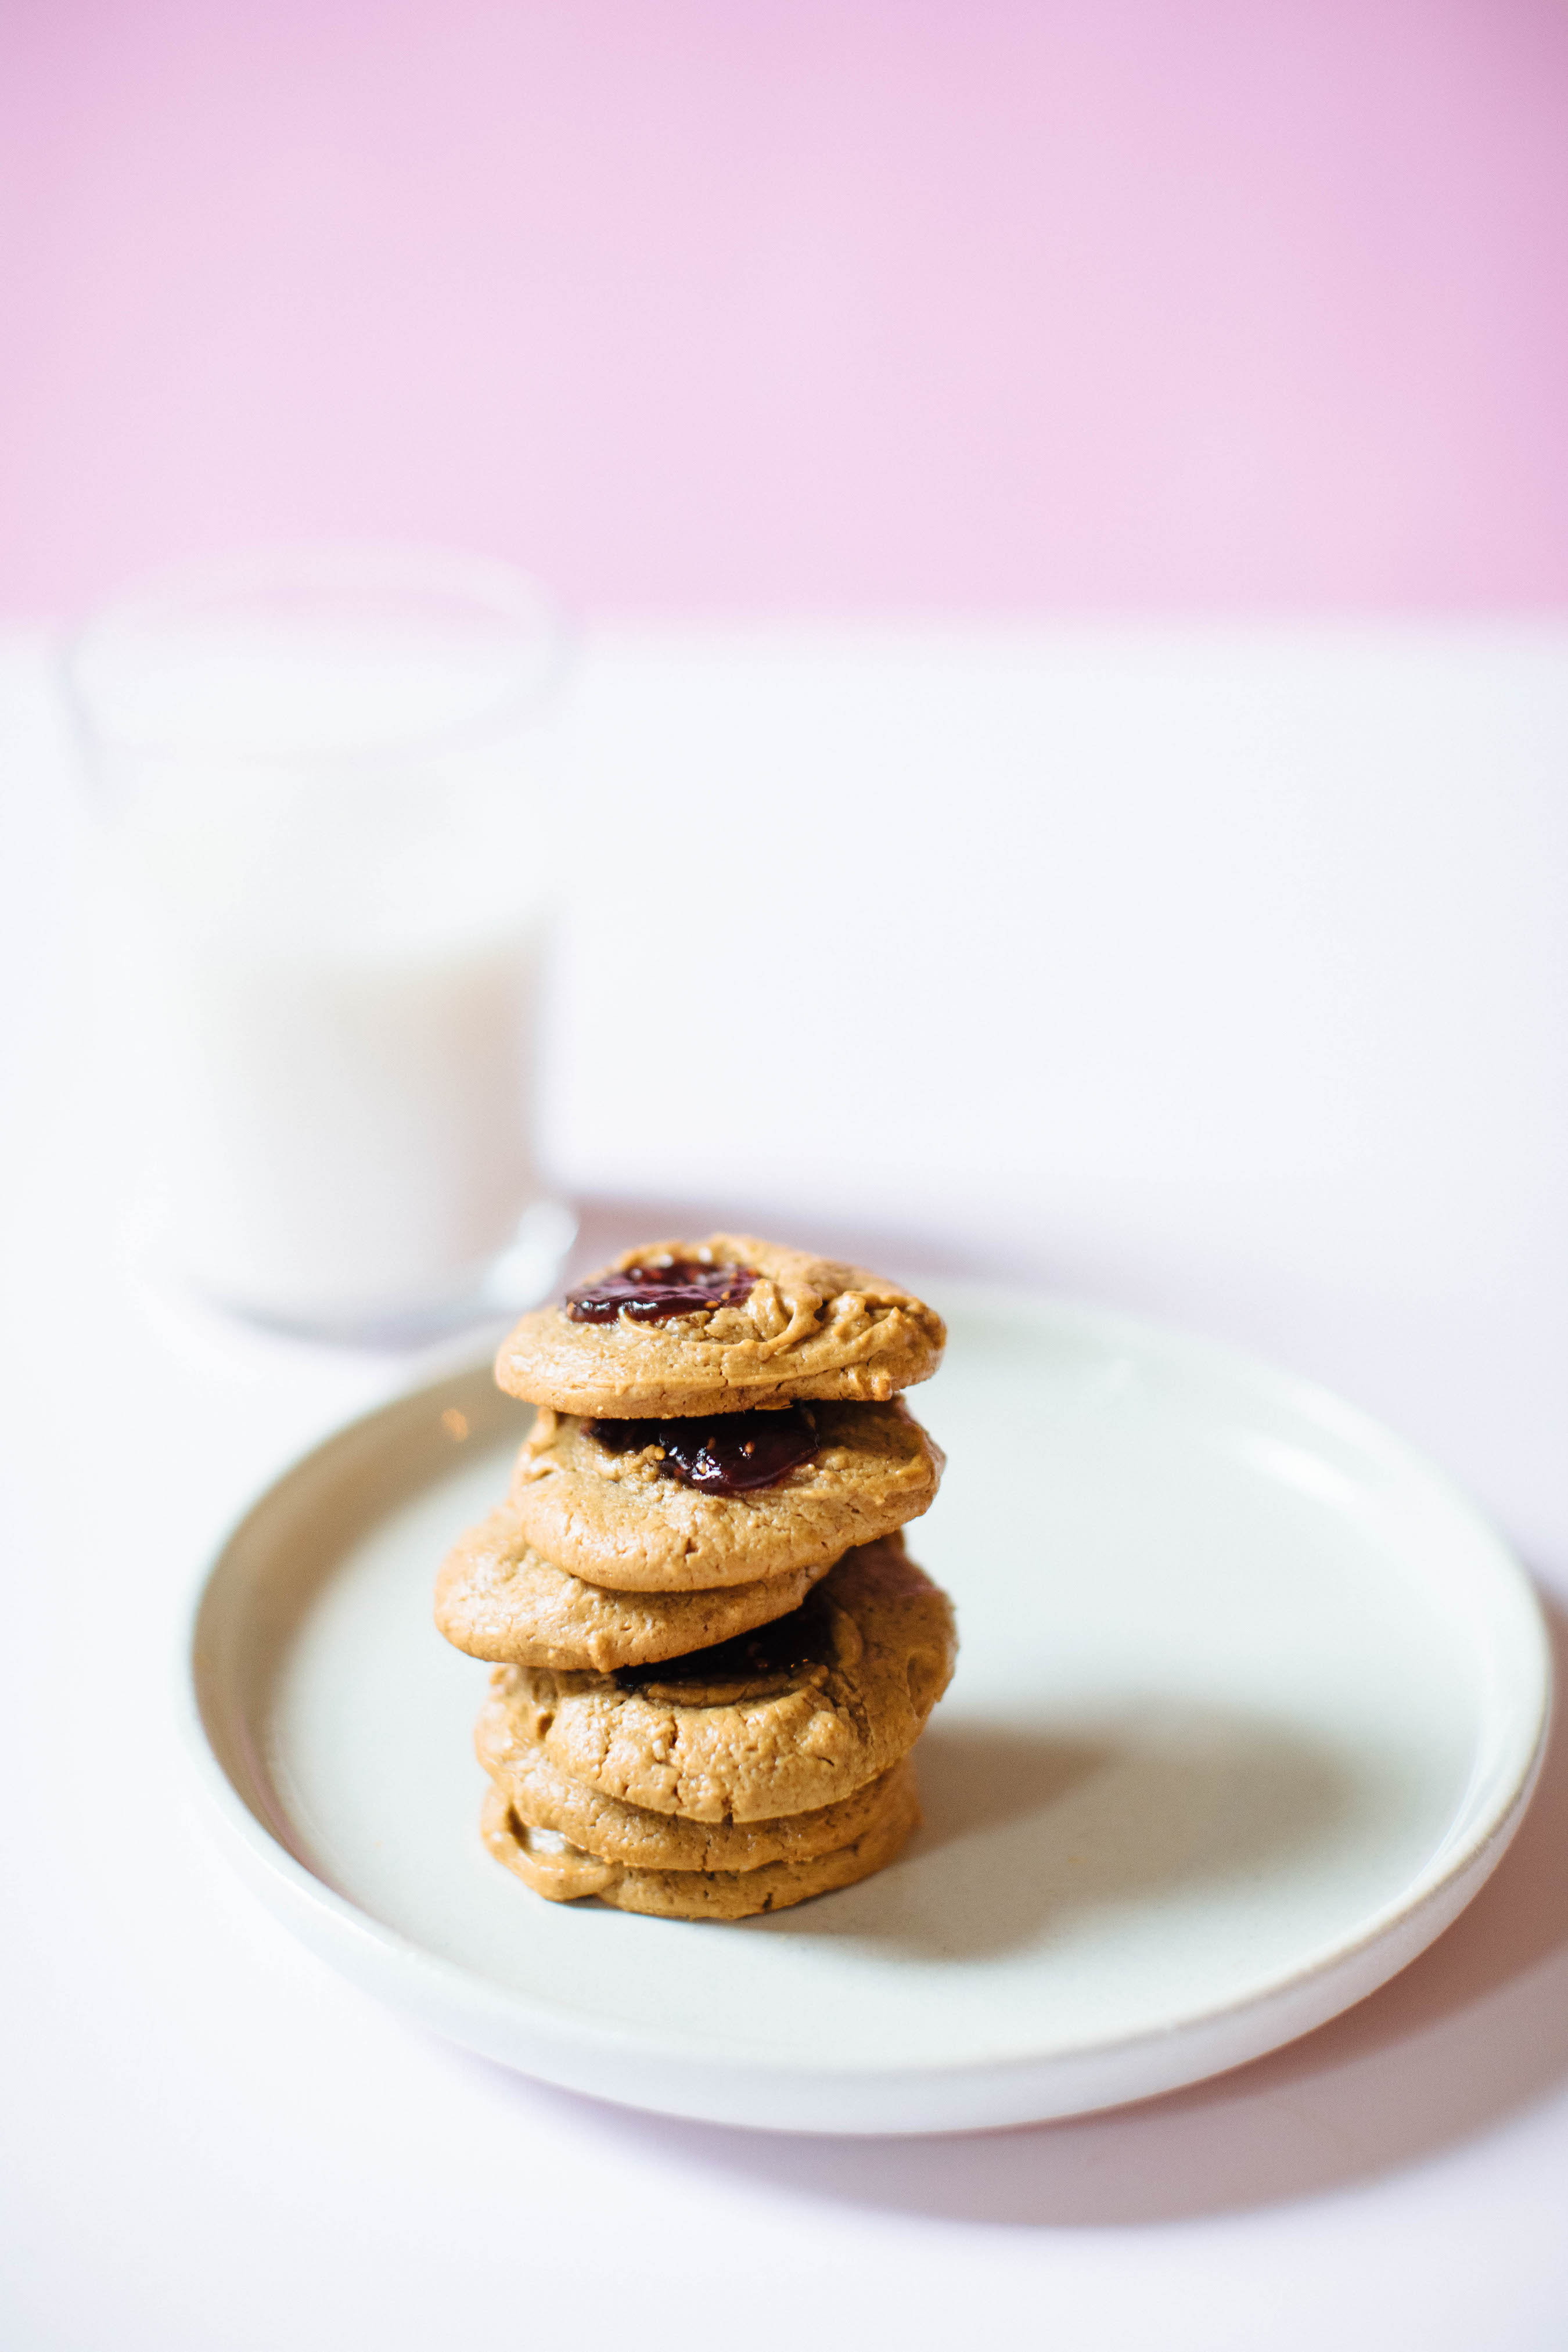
(488,583)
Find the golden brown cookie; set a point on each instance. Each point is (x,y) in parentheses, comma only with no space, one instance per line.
(805,1326)
(784,1720)
(556,1869)
(612,1514)
(498,1598)
(601,1828)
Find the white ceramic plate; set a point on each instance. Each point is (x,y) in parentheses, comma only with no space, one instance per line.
(1250,1702)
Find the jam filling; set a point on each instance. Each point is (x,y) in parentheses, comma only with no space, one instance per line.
(732,1454)
(772,1654)
(654,1294)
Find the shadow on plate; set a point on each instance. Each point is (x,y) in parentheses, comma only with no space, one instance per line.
(1474,2029)
(1040,1831)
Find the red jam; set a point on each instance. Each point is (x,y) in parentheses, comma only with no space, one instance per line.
(789,1646)
(656,1293)
(730,1453)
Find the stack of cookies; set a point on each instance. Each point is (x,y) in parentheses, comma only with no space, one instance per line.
(712,1655)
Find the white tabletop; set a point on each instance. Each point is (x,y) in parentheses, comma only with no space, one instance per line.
(1218,974)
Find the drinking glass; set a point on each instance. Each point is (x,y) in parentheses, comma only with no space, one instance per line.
(323,805)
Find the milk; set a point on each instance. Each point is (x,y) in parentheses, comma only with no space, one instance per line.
(325,958)
(339,1135)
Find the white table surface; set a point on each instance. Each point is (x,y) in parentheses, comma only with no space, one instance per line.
(1219,974)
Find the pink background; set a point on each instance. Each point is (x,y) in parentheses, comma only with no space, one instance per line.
(757,305)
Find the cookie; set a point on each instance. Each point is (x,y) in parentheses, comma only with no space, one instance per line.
(785,1720)
(498,1598)
(558,1870)
(601,1828)
(682,1327)
(621,1514)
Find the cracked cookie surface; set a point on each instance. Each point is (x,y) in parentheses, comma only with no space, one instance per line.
(561,1871)
(787,1719)
(618,1520)
(603,1828)
(806,1327)
(498,1598)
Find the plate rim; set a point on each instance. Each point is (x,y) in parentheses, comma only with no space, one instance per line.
(459,1996)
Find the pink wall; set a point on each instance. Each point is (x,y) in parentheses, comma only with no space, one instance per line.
(763,304)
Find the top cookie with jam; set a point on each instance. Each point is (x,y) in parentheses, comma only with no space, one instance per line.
(720,1326)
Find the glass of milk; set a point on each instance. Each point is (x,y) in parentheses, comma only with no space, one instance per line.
(328,837)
